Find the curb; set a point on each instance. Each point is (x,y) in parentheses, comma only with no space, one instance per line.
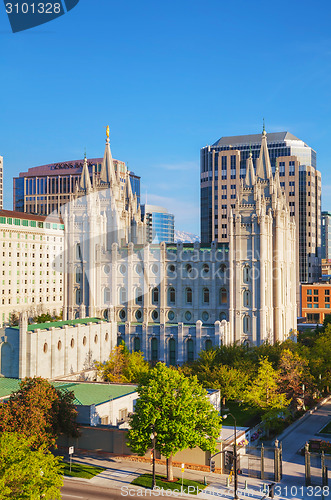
(304,417)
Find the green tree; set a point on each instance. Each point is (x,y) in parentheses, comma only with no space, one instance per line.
(14,320)
(27,474)
(40,411)
(293,372)
(263,391)
(42,318)
(177,409)
(320,357)
(123,366)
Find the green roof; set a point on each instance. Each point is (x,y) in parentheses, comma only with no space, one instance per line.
(60,324)
(8,385)
(86,393)
(93,393)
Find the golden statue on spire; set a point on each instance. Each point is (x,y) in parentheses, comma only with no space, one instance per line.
(107,131)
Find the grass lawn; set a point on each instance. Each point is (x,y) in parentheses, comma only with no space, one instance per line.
(145,480)
(79,470)
(326,429)
(245,415)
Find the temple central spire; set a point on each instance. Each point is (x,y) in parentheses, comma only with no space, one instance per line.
(263,167)
(107,174)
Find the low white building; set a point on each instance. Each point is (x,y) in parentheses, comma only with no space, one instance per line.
(102,403)
(53,350)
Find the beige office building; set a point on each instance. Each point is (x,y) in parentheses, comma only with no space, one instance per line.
(29,246)
(223,169)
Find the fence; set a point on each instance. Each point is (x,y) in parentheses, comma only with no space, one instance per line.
(262,462)
(317,466)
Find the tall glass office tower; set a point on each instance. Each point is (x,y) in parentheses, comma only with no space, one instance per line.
(160,224)
(223,166)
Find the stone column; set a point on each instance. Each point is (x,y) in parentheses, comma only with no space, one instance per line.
(198,338)
(180,343)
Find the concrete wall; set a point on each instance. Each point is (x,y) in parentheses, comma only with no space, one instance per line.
(108,440)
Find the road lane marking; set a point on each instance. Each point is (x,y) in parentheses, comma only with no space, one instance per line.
(71,496)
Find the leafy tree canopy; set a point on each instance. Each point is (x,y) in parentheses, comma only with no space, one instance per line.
(263,390)
(40,411)
(123,366)
(293,373)
(27,474)
(177,409)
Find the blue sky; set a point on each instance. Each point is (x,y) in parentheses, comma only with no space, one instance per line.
(168,77)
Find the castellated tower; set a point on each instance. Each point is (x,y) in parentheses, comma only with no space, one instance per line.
(102,212)
(262,303)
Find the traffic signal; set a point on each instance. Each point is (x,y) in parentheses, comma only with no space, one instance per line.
(212,466)
(228,457)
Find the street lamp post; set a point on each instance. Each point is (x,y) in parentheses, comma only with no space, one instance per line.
(235,457)
(153,436)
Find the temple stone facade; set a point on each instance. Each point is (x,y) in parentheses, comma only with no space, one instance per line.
(241,291)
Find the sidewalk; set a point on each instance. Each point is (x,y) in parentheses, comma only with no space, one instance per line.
(120,473)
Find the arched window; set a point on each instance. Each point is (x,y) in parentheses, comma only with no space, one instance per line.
(78,252)
(154,349)
(205,269)
(246,274)
(205,316)
(223,296)
(188,269)
(190,350)
(247,298)
(139,296)
(205,295)
(208,344)
(172,352)
(222,316)
(222,268)
(78,275)
(136,344)
(188,295)
(78,297)
(106,295)
(171,296)
(171,270)
(155,315)
(155,296)
(122,295)
(247,324)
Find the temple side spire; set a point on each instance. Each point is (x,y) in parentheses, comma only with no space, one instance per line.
(85,181)
(107,174)
(250,174)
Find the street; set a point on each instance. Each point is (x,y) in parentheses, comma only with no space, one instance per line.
(78,490)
